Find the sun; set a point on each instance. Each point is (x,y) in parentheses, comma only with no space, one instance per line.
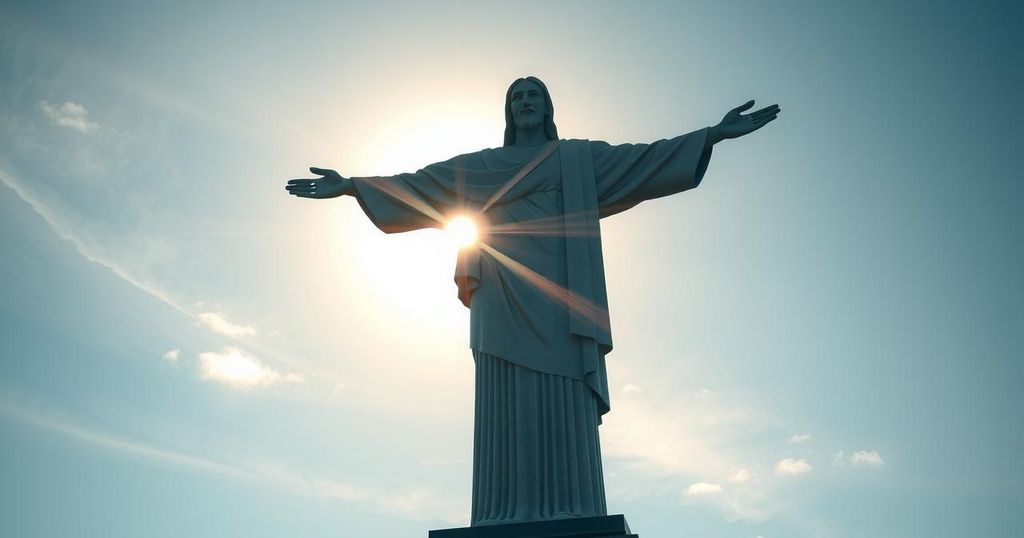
(462,231)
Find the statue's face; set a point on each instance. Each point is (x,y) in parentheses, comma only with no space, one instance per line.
(528,107)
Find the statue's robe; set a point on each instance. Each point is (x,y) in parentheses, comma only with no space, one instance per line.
(539,327)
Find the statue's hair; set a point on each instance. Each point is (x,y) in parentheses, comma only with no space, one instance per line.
(550,131)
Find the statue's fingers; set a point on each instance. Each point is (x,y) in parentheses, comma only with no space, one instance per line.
(765,120)
(766,111)
(300,181)
(744,106)
(301,189)
(321,171)
(303,195)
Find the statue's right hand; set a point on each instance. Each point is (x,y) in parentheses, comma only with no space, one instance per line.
(331,185)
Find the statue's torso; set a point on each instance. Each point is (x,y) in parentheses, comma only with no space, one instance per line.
(514,313)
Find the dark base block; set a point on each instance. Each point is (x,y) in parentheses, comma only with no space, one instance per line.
(583,527)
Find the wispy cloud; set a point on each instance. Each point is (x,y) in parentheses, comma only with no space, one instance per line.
(148,452)
(798,438)
(234,368)
(670,443)
(631,388)
(868,458)
(438,461)
(700,489)
(860,458)
(69,114)
(741,476)
(219,324)
(62,223)
(63,230)
(172,355)
(413,501)
(792,467)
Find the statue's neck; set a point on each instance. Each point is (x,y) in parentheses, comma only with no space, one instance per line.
(530,137)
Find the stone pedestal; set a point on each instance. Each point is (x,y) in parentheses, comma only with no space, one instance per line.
(584,527)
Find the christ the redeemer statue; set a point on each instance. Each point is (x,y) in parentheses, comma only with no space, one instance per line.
(535,286)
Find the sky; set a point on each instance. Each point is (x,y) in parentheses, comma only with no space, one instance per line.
(823,339)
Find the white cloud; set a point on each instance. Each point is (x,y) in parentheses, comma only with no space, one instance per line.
(172,355)
(798,438)
(217,323)
(792,467)
(631,388)
(236,369)
(69,114)
(866,458)
(703,488)
(860,458)
(740,476)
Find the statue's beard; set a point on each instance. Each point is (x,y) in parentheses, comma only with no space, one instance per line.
(530,122)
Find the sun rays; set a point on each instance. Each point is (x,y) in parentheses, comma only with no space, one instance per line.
(467,227)
(572,301)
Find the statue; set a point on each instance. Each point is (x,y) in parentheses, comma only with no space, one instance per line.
(534,283)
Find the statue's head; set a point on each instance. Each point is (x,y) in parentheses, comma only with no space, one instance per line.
(528,106)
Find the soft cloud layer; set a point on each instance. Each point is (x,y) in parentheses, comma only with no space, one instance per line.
(412,501)
(172,355)
(234,368)
(674,443)
(631,388)
(860,458)
(740,476)
(866,457)
(69,114)
(798,438)
(219,324)
(792,467)
(67,229)
(703,488)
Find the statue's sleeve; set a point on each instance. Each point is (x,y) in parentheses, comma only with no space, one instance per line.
(408,201)
(628,174)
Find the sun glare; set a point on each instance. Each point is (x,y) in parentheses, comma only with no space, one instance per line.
(462,231)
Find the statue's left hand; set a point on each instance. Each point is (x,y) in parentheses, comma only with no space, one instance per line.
(735,125)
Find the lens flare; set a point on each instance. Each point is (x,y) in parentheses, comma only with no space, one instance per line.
(462,231)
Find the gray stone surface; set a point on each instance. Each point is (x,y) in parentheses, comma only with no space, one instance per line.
(585,527)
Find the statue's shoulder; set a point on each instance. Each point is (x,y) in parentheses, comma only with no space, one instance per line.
(583,145)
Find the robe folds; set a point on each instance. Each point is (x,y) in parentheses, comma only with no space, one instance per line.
(535,287)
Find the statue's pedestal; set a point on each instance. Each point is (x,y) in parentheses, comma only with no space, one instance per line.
(583,527)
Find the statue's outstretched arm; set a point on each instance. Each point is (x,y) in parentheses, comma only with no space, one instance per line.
(398,203)
(331,185)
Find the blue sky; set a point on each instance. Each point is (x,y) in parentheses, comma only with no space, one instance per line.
(822,340)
